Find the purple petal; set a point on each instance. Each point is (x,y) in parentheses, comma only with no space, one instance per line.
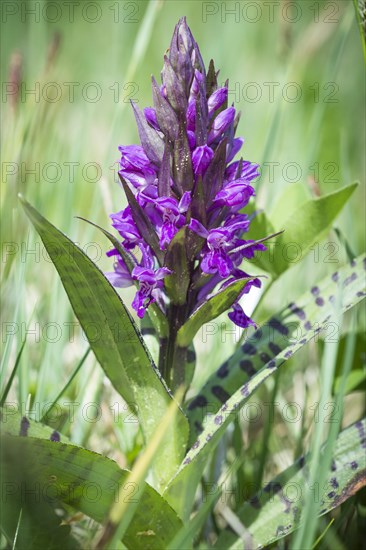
(238,317)
(198,228)
(221,122)
(120,277)
(201,158)
(191,115)
(150,115)
(217,99)
(235,148)
(162,272)
(168,231)
(235,194)
(184,202)
(191,139)
(144,274)
(139,304)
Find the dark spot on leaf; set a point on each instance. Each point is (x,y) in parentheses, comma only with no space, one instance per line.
(274,348)
(307,325)
(332,299)
(148,331)
(191,356)
(187,460)
(220,393)
(335,276)
(247,367)
(55,436)
(288,354)
(360,293)
(361,433)
(278,326)
(271,364)
(298,311)
(334,483)
(353,263)
(254,501)
(273,487)
(208,437)
(315,291)
(223,371)
(24,426)
(301,461)
(198,426)
(264,357)
(244,390)
(333,466)
(354,465)
(349,279)
(249,349)
(198,402)
(331,494)
(319,301)
(303,341)
(196,444)
(218,420)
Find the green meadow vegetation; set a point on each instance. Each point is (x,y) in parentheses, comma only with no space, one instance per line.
(87,425)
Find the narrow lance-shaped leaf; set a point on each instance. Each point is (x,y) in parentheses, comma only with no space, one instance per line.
(182,162)
(211,79)
(166,117)
(176,260)
(280,336)
(164,186)
(275,511)
(142,222)
(214,176)
(174,88)
(150,139)
(236,380)
(119,346)
(306,225)
(209,310)
(86,481)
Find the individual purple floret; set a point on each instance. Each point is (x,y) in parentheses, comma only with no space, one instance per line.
(184,226)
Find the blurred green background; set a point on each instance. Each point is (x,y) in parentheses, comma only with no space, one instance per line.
(296,73)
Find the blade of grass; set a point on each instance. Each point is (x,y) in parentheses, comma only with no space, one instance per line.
(12,375)
(67,385)
(320,462)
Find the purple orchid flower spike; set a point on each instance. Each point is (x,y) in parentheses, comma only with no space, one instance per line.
(186,193)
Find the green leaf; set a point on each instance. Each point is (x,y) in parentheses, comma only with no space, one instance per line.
(86,481)
(278,339)
(209,310)
(176,260)
(119,347)
(306,225)
(356,379)
(259,226)
(292,198)
(275,511)
(235,381)
(14,422)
